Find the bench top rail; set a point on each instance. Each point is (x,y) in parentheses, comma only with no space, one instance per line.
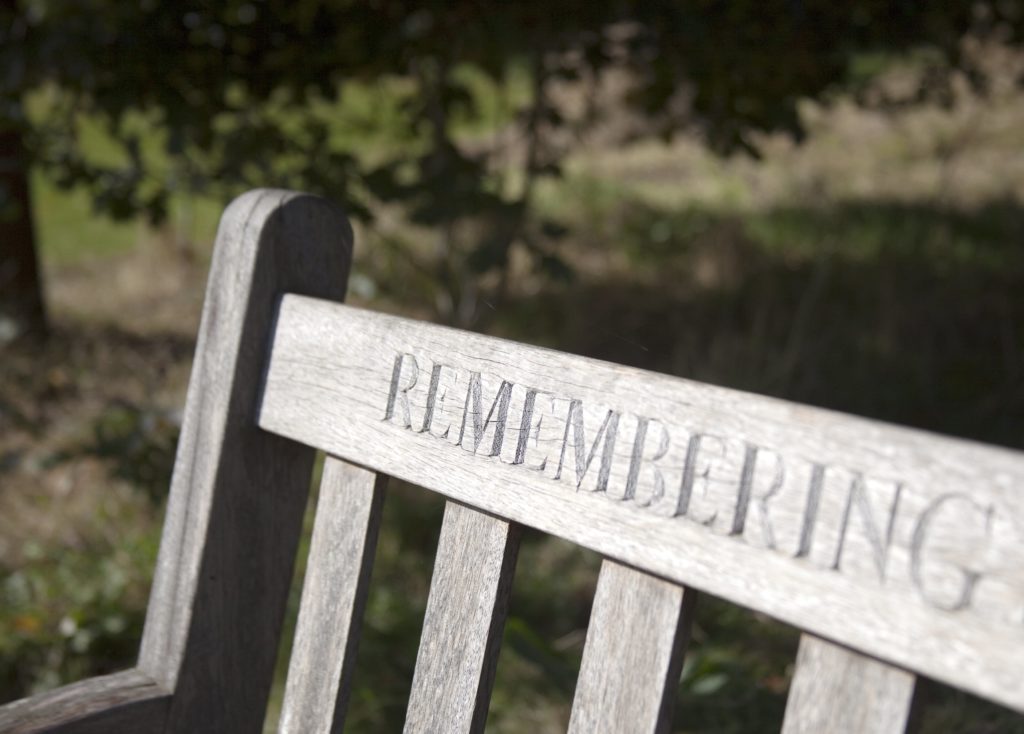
(901,544)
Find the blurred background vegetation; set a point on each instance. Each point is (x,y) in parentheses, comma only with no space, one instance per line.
(815,200)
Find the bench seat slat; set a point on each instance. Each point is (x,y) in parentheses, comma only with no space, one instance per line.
(462,628)
(334,595)
(633,655)
(836,689)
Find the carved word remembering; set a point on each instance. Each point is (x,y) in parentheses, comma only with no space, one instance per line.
(838,518)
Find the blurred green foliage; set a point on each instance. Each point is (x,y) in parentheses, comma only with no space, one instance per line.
(385,105)
(67,614)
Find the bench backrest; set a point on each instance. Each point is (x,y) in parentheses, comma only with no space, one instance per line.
(897,552)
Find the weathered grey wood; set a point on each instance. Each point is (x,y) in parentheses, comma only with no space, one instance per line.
(636,640)
(130,702)
(836,689)
(899,543)
(458,655)
(238,494)
(334,594)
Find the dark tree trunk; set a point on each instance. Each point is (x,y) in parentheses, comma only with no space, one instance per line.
(22,313)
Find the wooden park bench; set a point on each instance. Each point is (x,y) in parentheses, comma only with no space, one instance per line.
(895,551)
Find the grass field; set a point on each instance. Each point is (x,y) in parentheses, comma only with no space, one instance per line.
(877,269)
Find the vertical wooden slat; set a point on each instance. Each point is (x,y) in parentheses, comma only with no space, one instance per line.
(836,689)
(238,493)
(636,640)
(333,599)
(476,558)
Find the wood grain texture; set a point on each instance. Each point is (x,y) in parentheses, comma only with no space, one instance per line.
(334,595)
(899,543)
(636,639)
(238,494)
(836,689)
(462,627)
(130,702)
